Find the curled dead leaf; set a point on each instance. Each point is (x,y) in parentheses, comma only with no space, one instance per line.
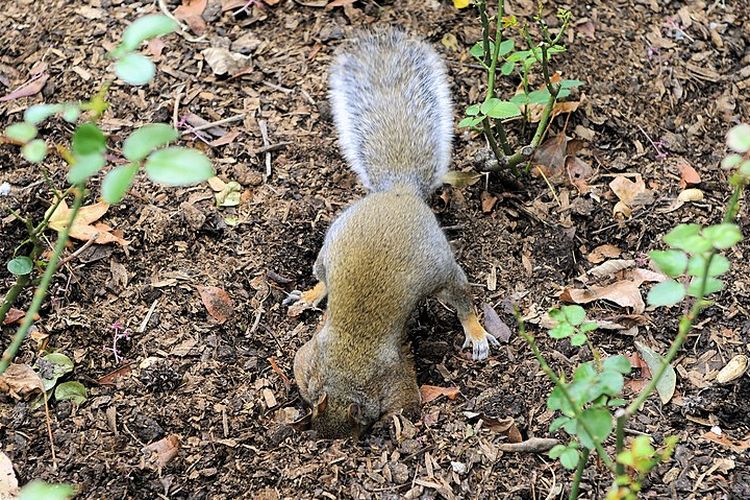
(20,381)
(461,179)
(732,370)
(494,325)
(160,453)
(601,252)
(217,302)
(431,392)
(688,175)
(191,11)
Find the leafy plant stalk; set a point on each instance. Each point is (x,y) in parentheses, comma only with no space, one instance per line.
(579,474)
(684,328)
(558,383)
(41,291)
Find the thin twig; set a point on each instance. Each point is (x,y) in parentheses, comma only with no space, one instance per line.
(214,124)
(41,291)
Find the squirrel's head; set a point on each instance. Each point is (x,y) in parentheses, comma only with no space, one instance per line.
(342,407)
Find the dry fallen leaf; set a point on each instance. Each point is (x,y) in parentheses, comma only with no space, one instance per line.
(630,193)
(222,61)
(20,381)
(732,370)
(494,325)
(461,179)
(688,175)
(33,86)
(159,453)
(624,293)
(191,11)
(531,445)
(338,3)
(8,481)
(218,303)
(610,267)
(82,228)
(537,110)
(432,392)
(724,440)
(488,202)
(601,252)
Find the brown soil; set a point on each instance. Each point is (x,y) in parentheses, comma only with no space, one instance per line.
(213,385)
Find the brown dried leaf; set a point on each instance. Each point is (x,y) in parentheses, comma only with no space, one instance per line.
(688,175)
(531,445)
(33,86)
(222,61)
(431,392)
(218,303)
(550,156)
(488,202)
(736,446)
(8,481)
(627,190)
(191,11)
(20,381)
(579,172)
(461,179)
(113,376)
(611,267)
(159,453)
(13,315)
(338,3)
(494,325)
(624,293)
(82,228)
(601,252)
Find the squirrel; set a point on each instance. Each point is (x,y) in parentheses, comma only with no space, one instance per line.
(384,254)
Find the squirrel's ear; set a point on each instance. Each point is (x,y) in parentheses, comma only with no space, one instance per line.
(355,412)
(321,404)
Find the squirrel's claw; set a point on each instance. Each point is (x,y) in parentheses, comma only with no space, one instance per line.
(301,301)
(478,338)
(292,297)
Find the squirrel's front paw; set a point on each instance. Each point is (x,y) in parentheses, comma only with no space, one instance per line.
(301,301)
(478,338)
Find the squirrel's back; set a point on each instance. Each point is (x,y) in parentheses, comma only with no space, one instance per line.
(391,104)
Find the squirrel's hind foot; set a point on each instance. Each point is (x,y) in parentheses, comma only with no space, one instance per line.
(478,338)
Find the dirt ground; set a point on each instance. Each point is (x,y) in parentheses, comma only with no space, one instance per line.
(664,81)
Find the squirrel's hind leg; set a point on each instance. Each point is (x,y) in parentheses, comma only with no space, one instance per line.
(456,293)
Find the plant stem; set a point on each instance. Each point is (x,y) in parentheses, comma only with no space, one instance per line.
(482,5)
(620,436)
(41,291)
(12,295)
(48,215)
(558,383)
(686,324)
(579,474)
(491,75)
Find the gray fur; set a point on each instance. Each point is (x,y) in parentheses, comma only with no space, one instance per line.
(392,108)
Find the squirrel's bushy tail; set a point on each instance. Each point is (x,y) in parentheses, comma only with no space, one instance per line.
(391,103)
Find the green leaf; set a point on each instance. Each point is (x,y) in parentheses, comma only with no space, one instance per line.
(723,236)
(585,371)
(88,139)
(71,391)
(616,402)
(680,234)
(589,326)
(731,161)
(505,47)
(135,69)
(670,262)
(84,167)
(39,490)
(697,264)
(34,151)
(712,286)
(666,386)
(71,112)
(569,458)
(556,49)
(178,166)
(744,169)
(618,363)
(574,314)
(146,28)
(599,422)
(578,339)
(40,112)
(470,121)
(507,68)
(477,50)
(496,108)
(518,56)
(117,182)
(666,293)
(56,365)
(520,99)
(472,110)
(540,96)
(147,138)
(557,424)
(21,132)
(20,266)
(569,84)
(557,450)
(561,331)
(557,401)
(738,138)
(611,382)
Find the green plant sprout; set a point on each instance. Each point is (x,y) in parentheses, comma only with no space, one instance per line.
(147,148)
(490,115)
(692,264)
